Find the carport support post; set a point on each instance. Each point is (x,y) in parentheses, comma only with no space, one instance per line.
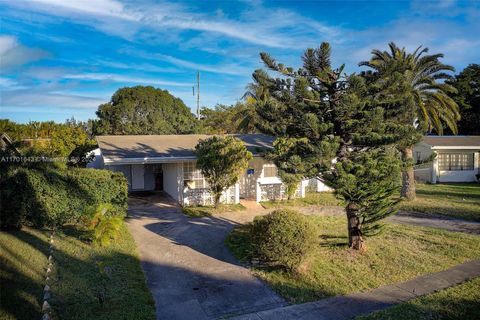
(435,168)
(258,192)
(476,164)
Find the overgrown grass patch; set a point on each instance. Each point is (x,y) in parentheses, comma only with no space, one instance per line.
(400,253)
(206,211)
(311,199)
(89,282)
(461,302)
(458,200)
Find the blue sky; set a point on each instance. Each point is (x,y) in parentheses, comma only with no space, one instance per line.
(62,58)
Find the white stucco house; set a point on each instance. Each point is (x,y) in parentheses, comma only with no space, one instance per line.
(167,163)
(457,159)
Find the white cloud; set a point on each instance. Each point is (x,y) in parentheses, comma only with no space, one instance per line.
(13,54)
(110,8)
(9,84)
(21,99)
(265,28)
(125,79)
(229,68)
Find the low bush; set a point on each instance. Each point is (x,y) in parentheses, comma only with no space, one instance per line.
(283,238)
(48,195)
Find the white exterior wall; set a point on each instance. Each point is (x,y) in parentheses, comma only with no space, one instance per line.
(425,172)
(173,180)
(97,162)
(459,175)
(430,172)
(316,185)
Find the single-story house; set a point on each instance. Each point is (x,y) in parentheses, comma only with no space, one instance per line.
(167,163)
(457,159)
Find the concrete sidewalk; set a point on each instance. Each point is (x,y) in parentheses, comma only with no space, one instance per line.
(435,221)
(350,306)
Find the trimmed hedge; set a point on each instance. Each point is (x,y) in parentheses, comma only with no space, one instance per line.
(51,196)
(283,238)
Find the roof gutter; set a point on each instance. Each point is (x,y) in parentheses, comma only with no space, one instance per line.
(147,160)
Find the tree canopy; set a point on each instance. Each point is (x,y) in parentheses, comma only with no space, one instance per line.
(467,97)
(414,93)
(221,160)
(320,115)
(144,110)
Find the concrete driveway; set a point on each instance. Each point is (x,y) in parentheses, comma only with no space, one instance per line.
(189,270)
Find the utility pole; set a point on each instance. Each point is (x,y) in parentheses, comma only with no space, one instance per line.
(198,95)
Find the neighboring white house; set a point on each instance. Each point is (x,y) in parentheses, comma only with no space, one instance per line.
(167,163)
(457,158)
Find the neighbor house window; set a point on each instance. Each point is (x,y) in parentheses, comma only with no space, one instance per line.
(269,170)
(192,174)
(455,161)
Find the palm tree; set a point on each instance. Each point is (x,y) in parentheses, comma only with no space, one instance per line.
(419,82)
(257,94)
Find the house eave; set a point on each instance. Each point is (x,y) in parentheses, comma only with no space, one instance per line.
(152,160)
(455,147)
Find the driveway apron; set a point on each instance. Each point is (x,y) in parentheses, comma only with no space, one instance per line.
(189,270)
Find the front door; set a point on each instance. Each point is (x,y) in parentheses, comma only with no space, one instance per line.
(138,177)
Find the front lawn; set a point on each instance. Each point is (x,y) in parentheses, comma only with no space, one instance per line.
(206,211)
(88,282)
(400,253)
(311,199)
(461,302)
(459,200)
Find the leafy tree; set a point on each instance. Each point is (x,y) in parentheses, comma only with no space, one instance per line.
(319,114)
(144,110)
(47,138)
(237,118)
(218,120)
(221,160)
(421,100)
(467,97)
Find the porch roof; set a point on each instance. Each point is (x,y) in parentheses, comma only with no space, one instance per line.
(167,148)
(452,142)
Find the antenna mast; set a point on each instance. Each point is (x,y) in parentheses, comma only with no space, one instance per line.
(198,95)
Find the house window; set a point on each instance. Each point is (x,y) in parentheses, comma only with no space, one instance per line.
(269,171)
(192,174)
(455,161)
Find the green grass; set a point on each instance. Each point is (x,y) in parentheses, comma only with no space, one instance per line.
(459,200)
(461,302)
(88,282)
(400,253)
(311,199)
(206,211)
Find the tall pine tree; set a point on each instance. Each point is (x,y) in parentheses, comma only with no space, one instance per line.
(332,124)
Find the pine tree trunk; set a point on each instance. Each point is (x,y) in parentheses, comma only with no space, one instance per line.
(408,176)
(355,240)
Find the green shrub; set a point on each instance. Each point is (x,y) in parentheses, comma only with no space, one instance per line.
(47,195)
(283,238)
(103,224)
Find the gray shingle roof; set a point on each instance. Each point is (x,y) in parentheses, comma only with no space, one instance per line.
(452,141)
(169,146)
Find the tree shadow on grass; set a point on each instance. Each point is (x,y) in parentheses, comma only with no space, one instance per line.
(91,284)
(21,294)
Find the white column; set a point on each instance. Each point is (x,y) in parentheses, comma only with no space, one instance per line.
(434,168)
(237,193)
(476,164)
(303,186)
(258,193)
